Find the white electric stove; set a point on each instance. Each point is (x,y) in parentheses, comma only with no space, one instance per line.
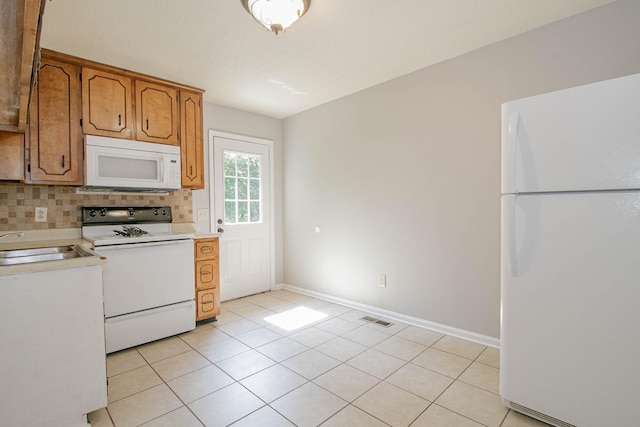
(149,276)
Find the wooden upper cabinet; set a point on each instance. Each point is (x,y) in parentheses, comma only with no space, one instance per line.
(107,104)
(55,139)
(11,156)
(191,143)
(20,26)
(157,118)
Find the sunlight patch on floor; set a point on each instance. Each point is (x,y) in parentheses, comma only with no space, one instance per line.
(295,318)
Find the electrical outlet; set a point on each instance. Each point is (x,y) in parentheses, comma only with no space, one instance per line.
(382,280)
(41,215)
(203,214)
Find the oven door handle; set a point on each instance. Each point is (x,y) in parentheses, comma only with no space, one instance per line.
(143,245)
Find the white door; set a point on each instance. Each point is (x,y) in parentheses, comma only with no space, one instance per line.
(242,214)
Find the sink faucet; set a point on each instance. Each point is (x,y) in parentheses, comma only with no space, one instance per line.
(17,234)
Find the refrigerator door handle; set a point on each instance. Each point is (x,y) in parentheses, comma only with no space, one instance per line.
(514,119)
(511,231)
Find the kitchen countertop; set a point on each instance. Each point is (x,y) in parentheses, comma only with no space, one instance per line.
(45,239)
(64,237)
(189,227)
(206,235)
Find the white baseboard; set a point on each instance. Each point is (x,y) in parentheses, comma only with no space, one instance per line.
(437,327)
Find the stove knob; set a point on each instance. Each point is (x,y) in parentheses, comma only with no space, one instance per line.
(92,213)
(131,211)
(155,212)
(103,212)
(163,212)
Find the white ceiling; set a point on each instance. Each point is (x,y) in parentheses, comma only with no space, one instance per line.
(339,47)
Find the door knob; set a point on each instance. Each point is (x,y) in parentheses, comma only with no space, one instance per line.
(220,230)
(219,221)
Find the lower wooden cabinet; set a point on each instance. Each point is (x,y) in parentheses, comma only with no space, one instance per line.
(207,304)
(207,278)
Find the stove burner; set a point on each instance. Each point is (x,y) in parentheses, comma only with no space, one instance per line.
(130,231)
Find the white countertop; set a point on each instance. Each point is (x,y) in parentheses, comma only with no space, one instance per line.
(45,239)
(206,235)
(64,237)
(189,227)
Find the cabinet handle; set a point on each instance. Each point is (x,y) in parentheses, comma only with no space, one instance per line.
(119,119)
(63,160)
(147,124)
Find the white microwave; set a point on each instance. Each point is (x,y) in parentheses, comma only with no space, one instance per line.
(127,165)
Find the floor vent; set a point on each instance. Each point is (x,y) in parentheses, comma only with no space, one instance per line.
(538,415)
(376,321)
(383,323)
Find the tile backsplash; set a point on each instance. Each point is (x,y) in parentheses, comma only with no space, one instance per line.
(18,203)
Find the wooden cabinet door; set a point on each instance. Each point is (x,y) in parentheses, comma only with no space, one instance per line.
(20,28)
(11,156)
(207,248)
(207,304)
(207,274)
(207,278)
(107,104)
(55,139)
(191,143)
(157,118)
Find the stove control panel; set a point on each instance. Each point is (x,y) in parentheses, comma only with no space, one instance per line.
(124,215)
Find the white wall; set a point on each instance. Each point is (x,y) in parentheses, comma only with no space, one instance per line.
(225,119)
(404,178)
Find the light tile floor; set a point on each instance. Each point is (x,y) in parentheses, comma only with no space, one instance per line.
(340,371)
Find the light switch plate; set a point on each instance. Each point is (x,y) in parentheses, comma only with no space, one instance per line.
(382,280)
(203,214)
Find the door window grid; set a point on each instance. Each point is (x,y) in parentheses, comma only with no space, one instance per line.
(242,184)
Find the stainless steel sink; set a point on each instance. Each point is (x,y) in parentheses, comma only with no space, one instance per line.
(55,253)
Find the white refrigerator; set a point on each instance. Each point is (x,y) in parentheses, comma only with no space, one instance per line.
(570,249)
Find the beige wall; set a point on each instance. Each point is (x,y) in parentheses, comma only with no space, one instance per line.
(404,178)
(238,122)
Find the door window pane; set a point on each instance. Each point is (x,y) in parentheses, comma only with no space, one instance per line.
(243,214)
(254,189)
(242,189)
(229,188)
(229,212)
(242,195)
(242,165)
(229,164)
(255,211)
(254,167)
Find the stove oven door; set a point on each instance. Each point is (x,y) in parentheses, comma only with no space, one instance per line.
(143,276)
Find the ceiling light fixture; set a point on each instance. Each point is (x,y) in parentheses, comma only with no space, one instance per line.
(276,15)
